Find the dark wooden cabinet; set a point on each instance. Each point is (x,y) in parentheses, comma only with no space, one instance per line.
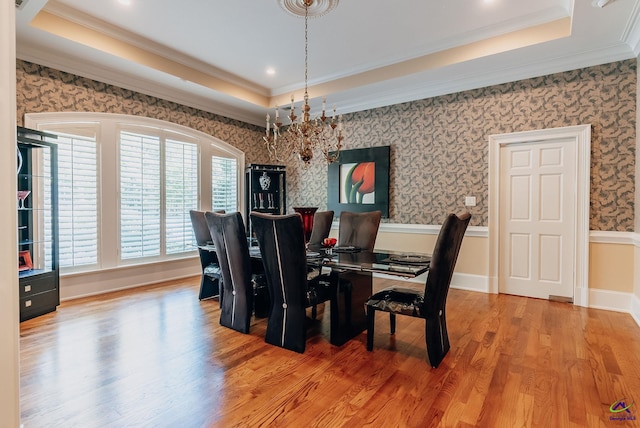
(266,191)
(37,223)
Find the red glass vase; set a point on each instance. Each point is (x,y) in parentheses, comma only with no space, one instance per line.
(307,219)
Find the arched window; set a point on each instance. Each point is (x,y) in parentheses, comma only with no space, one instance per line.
(127,183)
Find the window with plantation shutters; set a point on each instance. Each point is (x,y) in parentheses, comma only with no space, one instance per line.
(77,197)
(77,200)
(158,188)
(139,195)
(127,184)
(224,183)
(181,194)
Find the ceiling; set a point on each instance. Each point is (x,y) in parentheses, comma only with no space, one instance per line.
(213,54)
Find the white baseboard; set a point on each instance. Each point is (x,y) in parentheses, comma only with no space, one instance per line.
(463,281)
(74,286)
(635,308)
(598,299)
(610,300)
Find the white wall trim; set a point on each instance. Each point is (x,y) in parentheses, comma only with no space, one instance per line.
(604,237)
(610,300)
(631,32)
(84,284)
(635,308)
(423,229)
(595,236)
(461,281)
(469,282)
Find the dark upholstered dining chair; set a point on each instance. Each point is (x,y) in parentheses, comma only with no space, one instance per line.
(228,234)
(429,304)
(211,273)
(282,245)
(321,227)
(359,229)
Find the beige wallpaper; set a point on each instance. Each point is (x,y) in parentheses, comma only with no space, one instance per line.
(439,146)
(41,89)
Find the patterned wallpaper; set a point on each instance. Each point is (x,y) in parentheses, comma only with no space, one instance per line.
(439,145)
(42,89)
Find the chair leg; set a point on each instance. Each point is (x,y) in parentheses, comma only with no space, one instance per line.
(371,320)
(392,323)
(314,312)
(209,287)
(437,339)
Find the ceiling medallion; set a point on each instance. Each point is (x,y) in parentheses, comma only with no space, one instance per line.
(316,7)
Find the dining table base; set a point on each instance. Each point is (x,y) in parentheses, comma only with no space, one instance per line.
(348,316)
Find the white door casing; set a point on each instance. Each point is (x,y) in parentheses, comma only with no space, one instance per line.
(538,234)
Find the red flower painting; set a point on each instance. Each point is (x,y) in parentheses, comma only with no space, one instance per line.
(360,181)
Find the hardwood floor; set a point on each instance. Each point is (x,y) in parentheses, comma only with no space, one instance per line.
(157,357)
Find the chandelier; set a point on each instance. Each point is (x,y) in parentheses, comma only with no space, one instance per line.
(305,135)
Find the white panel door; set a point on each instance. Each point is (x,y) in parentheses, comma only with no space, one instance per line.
(538,215)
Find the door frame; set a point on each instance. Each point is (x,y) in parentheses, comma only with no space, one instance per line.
(581,135)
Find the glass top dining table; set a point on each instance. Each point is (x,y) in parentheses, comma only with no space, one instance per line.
(408,265)
(402,264)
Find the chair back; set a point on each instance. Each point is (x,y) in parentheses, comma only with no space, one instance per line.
(228,233)
(359,229)
(321,227)
(282,245)
(443,262)
(200,226)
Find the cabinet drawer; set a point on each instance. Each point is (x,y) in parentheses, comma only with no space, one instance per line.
(38,304)
(37,284)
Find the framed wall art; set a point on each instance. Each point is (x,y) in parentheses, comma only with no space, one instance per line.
(359,181)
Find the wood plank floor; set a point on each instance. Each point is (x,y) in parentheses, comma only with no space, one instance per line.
(157,357)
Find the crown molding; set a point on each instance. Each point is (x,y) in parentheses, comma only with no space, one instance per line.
(631,32)
(73,16)
(133,83)
(500,75)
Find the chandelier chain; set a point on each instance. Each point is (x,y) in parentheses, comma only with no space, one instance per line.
(306,47)
(305,134)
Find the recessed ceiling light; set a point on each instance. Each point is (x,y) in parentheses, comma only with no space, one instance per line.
(125,2)
(271,71)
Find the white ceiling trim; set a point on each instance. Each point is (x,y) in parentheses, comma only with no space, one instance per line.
(134,83)
(74,16)
(631,33)
(463,82)
(460,40)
